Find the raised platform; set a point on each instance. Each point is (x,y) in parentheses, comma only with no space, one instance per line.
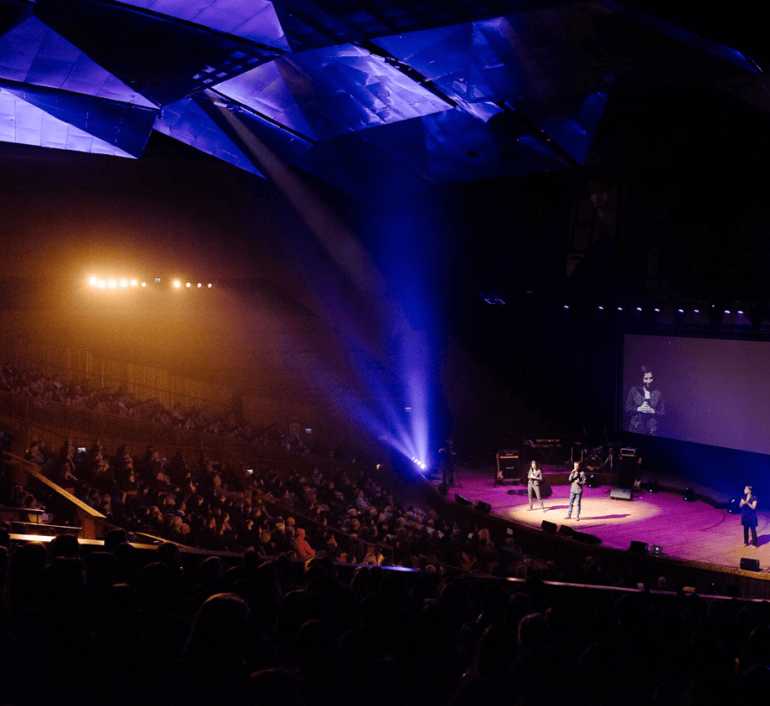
(699,531)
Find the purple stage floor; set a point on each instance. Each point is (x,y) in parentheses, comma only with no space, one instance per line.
(691,531)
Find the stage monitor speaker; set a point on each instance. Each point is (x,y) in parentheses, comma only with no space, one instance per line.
(460,500)
(585,538)
(748,564)
(549,527)
(627,466)
(639,547)
(481,506)
(566,530)
(621,494)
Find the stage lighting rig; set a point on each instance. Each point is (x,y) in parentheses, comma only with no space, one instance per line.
(119,283)
(422,466)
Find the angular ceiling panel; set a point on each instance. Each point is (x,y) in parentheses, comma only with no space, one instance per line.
(286,145)
(362,94)
(26,124)
(255,20)
(187,122)
(368,174)
(162,59)
(575,49)
(33,53)
(454,146)
(126,127)
(327,92)
(314,24)
(681,35)
(571,121)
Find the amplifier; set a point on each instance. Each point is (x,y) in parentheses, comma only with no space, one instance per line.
(629,452)
(507,466)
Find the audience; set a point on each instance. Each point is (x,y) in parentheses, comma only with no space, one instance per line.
(84,626)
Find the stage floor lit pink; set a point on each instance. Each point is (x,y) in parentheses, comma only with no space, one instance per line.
(692,531)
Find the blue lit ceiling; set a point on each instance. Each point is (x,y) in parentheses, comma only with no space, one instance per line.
(374,97)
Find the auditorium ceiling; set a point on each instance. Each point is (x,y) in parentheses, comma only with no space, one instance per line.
(370,96)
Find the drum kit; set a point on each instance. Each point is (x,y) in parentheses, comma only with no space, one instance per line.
(597,458)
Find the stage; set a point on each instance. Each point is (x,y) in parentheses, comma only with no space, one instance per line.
(691,531)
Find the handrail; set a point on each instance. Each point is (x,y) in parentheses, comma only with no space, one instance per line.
(27,510)
(33,470)
(40,525)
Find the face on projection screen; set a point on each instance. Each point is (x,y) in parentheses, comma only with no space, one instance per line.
(707,391)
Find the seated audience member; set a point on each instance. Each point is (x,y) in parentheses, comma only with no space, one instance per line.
(302,547)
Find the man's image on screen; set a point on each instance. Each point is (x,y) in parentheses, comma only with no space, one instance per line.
(645,404)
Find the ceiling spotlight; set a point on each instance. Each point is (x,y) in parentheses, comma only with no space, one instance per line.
(727,311)
(177,283)
(102,284)
(696,311)
(144,284)
(620,308)
(638,308)
(199,285)
(188,285)
(93,281)
(566,306)
(681,311)
(601,308)
(112,283)
(157,280)
(209,285)
(134,283)
(740,312)
(124,283)
(656,310)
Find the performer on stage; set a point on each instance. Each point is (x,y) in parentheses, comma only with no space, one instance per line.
(749,516)
(645,404)
(578,479)
(534,476)
(447,456)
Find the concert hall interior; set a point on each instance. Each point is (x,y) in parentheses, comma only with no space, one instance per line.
(472,292)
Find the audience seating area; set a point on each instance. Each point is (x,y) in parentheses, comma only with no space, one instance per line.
(322,585)
(117,625)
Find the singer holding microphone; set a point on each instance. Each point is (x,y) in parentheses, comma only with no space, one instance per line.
(749,516)
(578,479)
(534,477)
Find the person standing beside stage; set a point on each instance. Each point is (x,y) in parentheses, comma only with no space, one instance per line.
(534,476)
(447,456)
(578,479)
(749,516)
